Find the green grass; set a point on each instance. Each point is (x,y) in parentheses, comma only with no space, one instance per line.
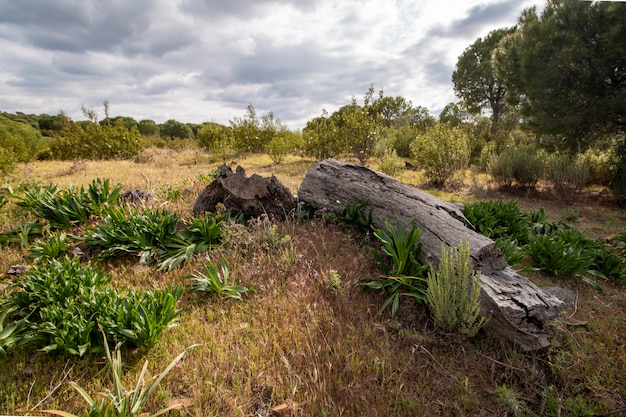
(299,342)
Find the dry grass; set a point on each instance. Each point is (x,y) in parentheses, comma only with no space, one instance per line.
(310,338)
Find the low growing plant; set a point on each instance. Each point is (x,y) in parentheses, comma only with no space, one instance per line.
(353,214)
(61,302)
(55,246)
(406,275)
(121,402)
(214,281)
(454,292)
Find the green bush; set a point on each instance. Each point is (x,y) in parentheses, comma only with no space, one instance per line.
(441,151)
(516,165)
(501,168)
(568,176)
(7,161)
(63,302)
(20,140)
(93,141)
(388,160)
(602,165)
(454,292)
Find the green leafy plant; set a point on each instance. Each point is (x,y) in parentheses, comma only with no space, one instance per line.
(156,236)
(406,276)
(353,214)
(212,280)
(397,286)
(401,246)
(9,334)
(121,402)
(558,255)
(454,292)
(55,246)
(65,208)
(62,301)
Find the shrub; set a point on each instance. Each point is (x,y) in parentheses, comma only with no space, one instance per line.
(516,164)
(500,167)
(94,141)
(279,146)
(568,176)
(602,165)
(216,139)
(389,161)
(441,151)
(454,292)
(7,161)
(20,140)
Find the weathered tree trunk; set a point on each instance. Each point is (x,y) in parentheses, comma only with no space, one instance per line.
(517,307)
(253,196)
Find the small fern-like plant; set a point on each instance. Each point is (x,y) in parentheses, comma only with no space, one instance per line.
(454,292)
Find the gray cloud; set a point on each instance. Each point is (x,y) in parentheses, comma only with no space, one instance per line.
(199,60)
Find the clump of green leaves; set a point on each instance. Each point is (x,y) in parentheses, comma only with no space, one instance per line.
(154,236)
(65,208)
(502,219)
(454,292)
(55,246)
(61,303)
(551,246)
(214,281)
(406,275)
(353,214)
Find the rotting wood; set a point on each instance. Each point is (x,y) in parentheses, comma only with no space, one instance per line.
(518,309)
(254,196)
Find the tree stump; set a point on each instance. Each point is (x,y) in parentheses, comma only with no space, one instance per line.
(518,309)
(252,196)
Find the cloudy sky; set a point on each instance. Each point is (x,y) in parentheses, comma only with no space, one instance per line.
(205,60)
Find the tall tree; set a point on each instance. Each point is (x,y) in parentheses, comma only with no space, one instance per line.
(567,69)
(475,79)
(175,129)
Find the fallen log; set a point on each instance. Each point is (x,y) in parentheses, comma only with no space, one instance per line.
(252,196)
(518,309)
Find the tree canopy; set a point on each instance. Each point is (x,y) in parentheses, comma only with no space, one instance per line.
(475,79)
(567,69)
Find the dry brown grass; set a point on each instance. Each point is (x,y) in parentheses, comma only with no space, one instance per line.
(315,344)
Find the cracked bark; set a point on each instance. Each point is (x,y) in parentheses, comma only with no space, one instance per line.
(520,309)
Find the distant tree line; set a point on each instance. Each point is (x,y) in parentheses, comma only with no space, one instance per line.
(536,100)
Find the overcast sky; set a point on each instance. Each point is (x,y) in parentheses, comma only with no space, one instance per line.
(205,60)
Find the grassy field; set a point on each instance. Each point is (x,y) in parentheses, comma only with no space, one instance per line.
(309,338)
